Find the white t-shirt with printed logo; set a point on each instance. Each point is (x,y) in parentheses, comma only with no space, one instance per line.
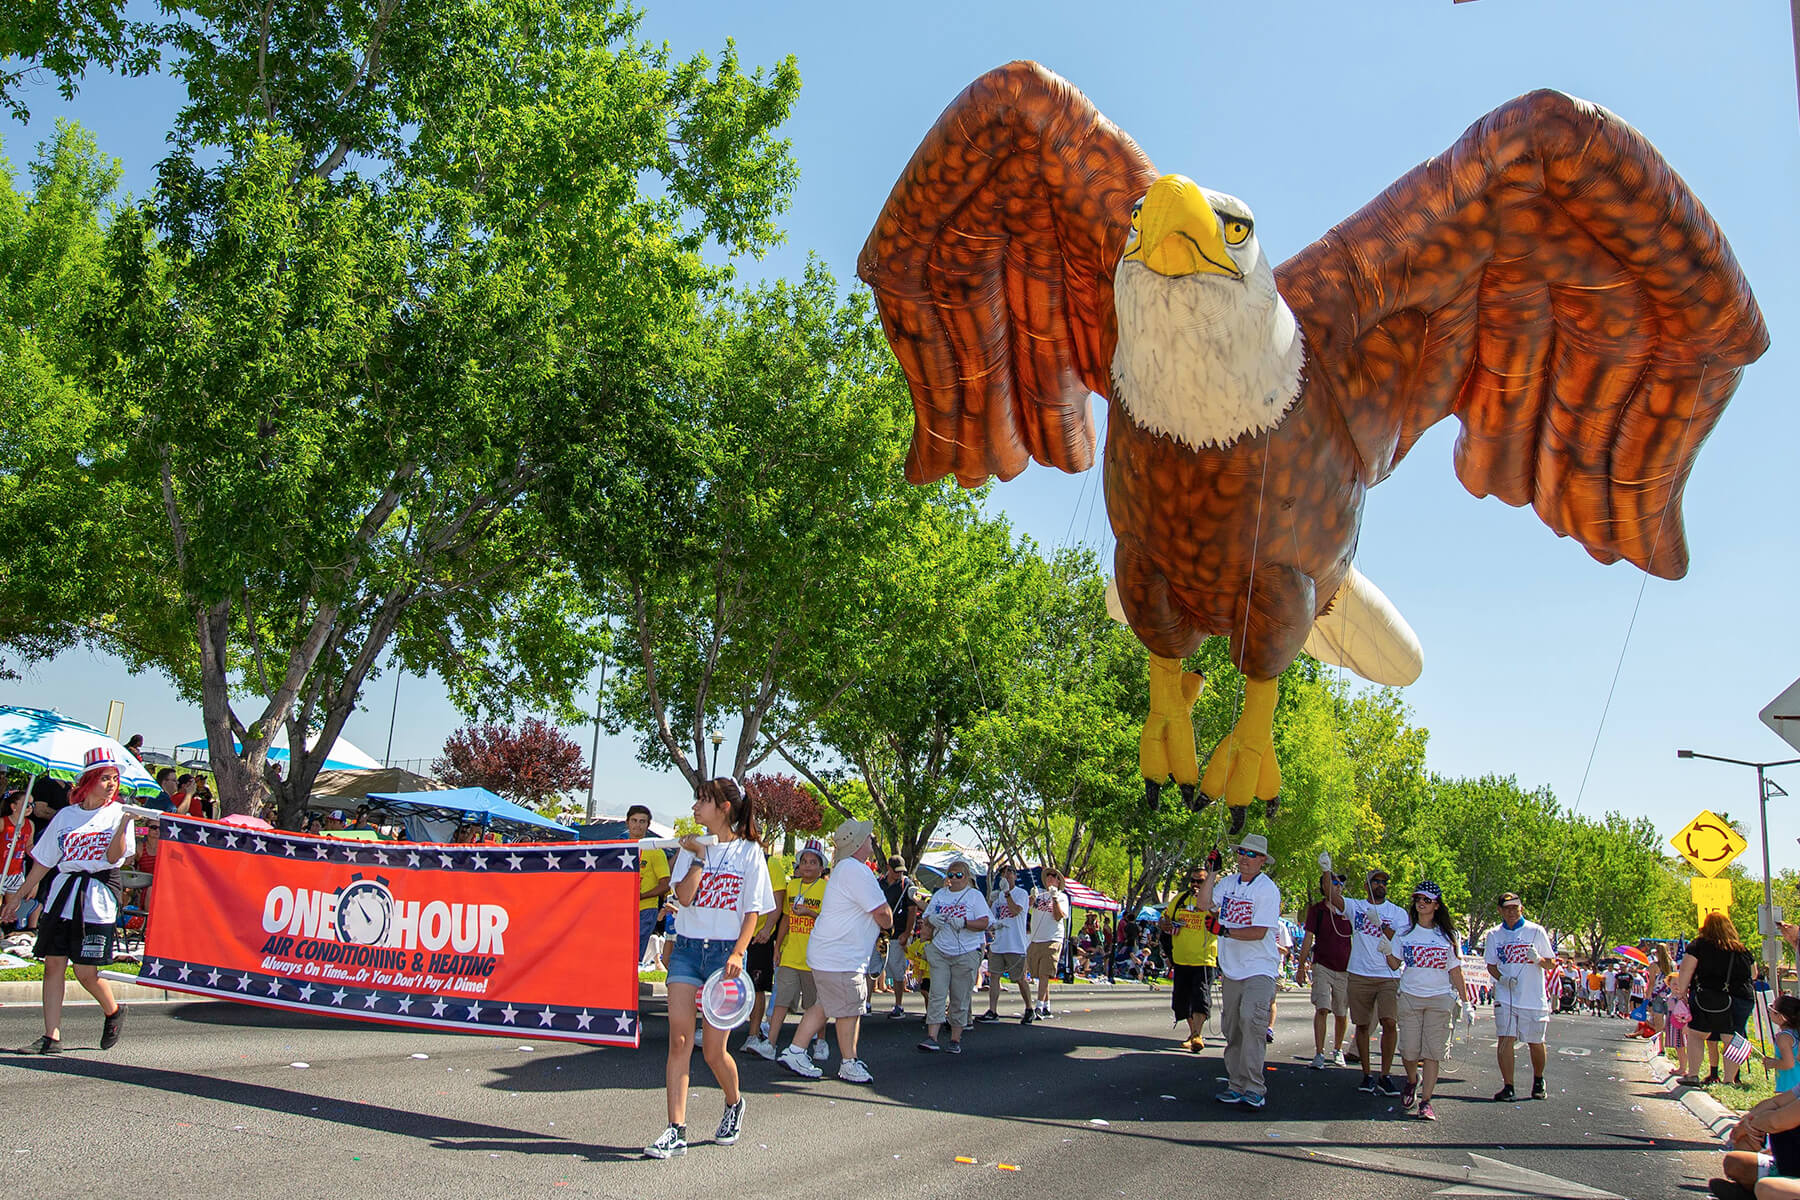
(1009,932)
(967,904)
(734,880)
(1366,919)
(1242,903)
(1516,952)
(1044,925)
(75,841)
(1427,956)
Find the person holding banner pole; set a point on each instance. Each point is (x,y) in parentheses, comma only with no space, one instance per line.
(723,890)
(83,845)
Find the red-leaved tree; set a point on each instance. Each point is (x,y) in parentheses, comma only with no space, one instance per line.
(528,765)
(785,807)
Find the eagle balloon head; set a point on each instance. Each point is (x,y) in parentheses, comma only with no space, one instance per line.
(1179,228)
(1207,352)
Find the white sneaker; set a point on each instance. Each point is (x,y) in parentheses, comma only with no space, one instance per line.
(853,1071)
(820,1051)
(795,1060)
(761,1047)
(763,1029)
(1319,1061)
(1337,1059)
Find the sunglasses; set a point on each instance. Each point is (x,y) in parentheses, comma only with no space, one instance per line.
(1243,853)
(956,875)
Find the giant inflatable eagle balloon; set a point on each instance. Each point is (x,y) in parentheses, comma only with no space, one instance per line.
(1548,280)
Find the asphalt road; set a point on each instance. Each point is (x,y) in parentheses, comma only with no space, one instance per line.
(209,1099)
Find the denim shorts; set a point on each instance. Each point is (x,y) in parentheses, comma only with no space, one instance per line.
(695,959)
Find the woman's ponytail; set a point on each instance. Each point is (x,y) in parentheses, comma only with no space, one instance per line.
(725,793)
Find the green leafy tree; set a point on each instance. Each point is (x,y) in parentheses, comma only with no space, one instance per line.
(761,522)
(400,285)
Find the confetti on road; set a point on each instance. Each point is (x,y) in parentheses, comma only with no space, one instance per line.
(1006,1166)
(1096,1121)
(421,1056)
(965,1159)
(299,1066)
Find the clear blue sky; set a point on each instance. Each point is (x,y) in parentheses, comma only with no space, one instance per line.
(1306,111)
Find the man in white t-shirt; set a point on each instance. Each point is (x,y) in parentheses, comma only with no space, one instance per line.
(1517,952)
(1045,929)
(850,915)
(1249,909)
(1006,953)
(1374,986)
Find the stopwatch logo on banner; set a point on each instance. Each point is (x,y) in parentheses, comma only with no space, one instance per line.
(365,911)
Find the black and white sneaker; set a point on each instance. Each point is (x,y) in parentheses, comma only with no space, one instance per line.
(1506,1093)
(1386,1086)
(1537,1088)
(672,1144)
(953,1047)
(1027,1018)
(987,1017)
(1367,1085)
(44,1045)
(731,1122)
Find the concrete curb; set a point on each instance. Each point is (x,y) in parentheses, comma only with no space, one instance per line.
(1707,1110)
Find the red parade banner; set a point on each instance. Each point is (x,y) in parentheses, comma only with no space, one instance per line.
(521,939)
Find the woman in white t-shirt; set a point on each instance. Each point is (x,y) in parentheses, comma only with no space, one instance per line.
(83,845)
(723,890)
(1429,958)
(955,918)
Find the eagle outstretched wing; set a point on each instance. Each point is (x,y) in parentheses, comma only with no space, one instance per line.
(992,263)
(1552,282)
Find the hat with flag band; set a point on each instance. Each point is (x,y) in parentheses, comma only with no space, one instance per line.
(98,759)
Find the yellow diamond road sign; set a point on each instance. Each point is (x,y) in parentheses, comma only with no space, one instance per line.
(1709,843)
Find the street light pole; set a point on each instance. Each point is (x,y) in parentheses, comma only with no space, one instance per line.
(717,739)
(1771,939)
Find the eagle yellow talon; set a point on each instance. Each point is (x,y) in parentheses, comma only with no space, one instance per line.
(1243,767)
(1167,747)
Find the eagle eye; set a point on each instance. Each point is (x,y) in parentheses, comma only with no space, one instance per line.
(1237,229)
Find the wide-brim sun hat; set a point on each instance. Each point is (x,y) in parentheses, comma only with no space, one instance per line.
(726,1003)
(849,836)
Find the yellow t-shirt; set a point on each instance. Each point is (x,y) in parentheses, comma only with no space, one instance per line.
(1195,945)
(778,881)
(802,908)
(915,954)
(653,865)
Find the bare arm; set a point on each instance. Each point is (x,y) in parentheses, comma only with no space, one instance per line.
(1684,978)
(884,916)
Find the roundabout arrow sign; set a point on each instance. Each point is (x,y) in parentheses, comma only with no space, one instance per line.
(1708,843)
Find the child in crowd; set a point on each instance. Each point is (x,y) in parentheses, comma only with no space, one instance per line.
(16,832)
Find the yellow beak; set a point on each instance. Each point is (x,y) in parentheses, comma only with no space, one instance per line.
(1178,232)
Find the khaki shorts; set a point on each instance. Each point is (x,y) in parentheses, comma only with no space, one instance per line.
(841,993)
(1040,960)
(1010,965)
(1425,1025)
(794,988)
(1373,999)
(1528,1025)
(1331,990)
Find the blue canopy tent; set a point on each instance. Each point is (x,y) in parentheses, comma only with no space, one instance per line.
(468,806)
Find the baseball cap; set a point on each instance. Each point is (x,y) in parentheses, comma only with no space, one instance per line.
(1427,889)
(1507,898)
(337,814)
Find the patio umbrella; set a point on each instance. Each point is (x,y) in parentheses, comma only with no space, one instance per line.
(1634,954)
(40,742)
(246,821)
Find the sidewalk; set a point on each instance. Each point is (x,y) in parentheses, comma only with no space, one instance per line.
(1717,1118)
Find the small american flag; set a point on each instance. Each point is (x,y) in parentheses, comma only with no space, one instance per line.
(1737,1051)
